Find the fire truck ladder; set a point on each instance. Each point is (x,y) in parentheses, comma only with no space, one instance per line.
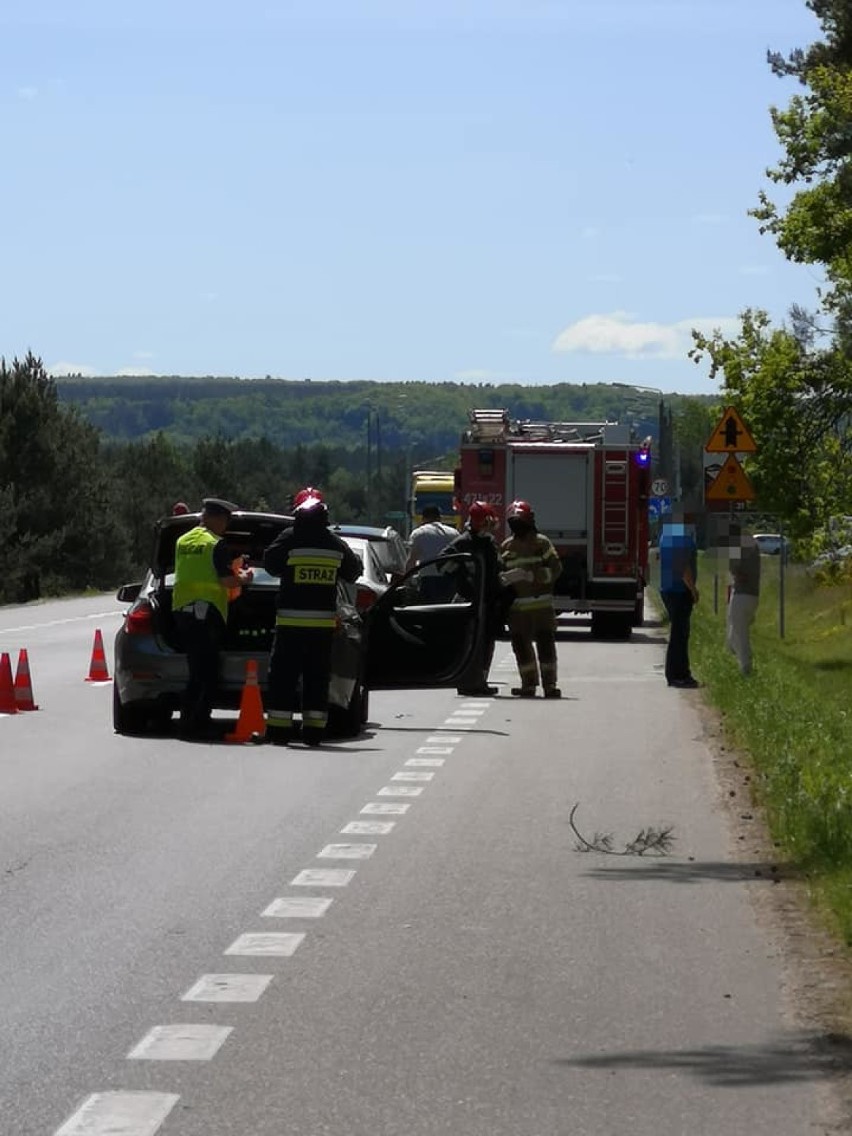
(615,500)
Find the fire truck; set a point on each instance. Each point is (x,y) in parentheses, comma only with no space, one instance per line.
(589,484)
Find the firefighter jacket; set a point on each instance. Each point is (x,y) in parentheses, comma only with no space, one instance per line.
(308,558)
(539,567)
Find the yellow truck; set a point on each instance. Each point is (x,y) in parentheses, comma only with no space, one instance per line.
(433,487)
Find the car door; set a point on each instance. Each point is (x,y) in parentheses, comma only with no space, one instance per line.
(410,643)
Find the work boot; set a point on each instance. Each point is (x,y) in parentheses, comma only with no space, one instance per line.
(278,736)
(312,738)
(523,691)
(552,692)
(477,691)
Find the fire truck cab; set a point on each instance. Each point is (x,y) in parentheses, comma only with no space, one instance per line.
(589,484)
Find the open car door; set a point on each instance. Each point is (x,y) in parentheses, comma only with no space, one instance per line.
(413,643)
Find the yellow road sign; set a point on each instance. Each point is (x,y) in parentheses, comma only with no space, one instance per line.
(730,484)
(731,435)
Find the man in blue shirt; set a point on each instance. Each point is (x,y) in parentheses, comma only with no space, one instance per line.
(678,572)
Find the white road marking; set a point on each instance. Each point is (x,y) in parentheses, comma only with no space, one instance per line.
(400,791)
(434,749)
(368,827)
(180,1043)
(120,1114)
(443,739)
(227,988)
(468,711)
(380,808)
(413,776)
(60,622)
(298,907)
(434,762)
(347,852)
(461,723)
(280,943)
(323,877)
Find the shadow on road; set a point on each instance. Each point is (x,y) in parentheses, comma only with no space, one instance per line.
(801,1057)
(692,872)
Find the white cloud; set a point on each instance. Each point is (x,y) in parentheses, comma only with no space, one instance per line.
(60,370)
(132,372)
(27,94)
(620,333)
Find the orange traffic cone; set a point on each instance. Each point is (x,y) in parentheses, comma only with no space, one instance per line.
(251,722)
(7,688)
(98,671)
(23,686)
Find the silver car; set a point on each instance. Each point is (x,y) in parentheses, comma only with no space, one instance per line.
(396,643)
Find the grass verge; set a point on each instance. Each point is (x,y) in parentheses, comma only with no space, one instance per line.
(793,716)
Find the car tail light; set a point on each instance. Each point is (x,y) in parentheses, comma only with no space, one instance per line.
(138,620)
(364,599)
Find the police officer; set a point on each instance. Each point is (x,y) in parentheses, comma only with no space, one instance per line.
(308,558)
(532,566)
(477,538)
(203,578)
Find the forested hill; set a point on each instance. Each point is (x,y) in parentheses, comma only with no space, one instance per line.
(427,417)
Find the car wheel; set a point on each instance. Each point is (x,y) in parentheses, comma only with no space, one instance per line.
(136,718)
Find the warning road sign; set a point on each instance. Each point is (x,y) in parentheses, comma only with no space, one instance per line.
(730,484)
(731,435)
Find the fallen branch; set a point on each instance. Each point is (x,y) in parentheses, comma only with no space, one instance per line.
(657,841)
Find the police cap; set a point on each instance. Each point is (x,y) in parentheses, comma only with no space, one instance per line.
(218,507)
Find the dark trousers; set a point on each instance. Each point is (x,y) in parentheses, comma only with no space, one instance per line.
(476,674)
(679,607)
(201,639)
(299,654)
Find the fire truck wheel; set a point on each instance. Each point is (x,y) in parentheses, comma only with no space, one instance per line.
(639,611)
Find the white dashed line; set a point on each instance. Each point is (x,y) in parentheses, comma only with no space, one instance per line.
(61,622)
(228,988)
(400,791)
(323,877)
(461,723)
(180,1043)
(469,712)
(298,907)
(368,827)
(120,1114)
(347,852)
(434,749)
(443,739)
(426,762)
(380,808)
(283,943)
(412,776)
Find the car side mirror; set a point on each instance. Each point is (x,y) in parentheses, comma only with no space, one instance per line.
(128,593)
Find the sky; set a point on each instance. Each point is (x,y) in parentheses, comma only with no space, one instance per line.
(477,191)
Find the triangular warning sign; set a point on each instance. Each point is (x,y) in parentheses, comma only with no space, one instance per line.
(730,484)
(730,436)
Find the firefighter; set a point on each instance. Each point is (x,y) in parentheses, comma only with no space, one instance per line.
(532,567)
(308,558)
(203,577)
(477,538)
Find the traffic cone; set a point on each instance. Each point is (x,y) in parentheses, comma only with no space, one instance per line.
(251,722)
(23,685)
(98,671)
(7,688)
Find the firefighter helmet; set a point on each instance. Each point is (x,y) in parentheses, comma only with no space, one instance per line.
(522,510)
(479,515)
(307,498)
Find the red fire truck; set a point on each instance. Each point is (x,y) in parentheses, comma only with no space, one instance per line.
(589,484)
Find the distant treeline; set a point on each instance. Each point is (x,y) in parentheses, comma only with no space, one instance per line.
(424,419)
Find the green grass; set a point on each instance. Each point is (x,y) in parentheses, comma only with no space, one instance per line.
(793,717)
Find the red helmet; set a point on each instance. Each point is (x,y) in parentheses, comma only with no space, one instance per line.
(180,509)
(523,510)
(307,498)
(479,514)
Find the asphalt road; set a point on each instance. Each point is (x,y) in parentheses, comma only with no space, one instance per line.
(463,969)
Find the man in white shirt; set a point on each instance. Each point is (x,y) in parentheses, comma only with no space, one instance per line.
(427,542)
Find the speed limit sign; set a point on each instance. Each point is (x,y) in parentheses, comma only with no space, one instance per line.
(660,488)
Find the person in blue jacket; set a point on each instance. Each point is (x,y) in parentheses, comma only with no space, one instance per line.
(679,593)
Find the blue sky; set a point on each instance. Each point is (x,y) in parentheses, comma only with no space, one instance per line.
(474,190)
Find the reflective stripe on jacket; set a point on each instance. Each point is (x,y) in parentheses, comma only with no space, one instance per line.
(308,559)
(533,553)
